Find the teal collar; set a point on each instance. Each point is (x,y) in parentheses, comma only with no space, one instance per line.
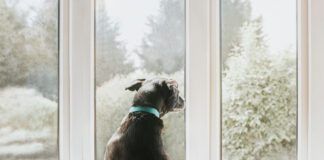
(151,110)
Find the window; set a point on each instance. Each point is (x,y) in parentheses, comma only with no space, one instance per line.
(29,79)
(259,79)
(147,41)
(241,64)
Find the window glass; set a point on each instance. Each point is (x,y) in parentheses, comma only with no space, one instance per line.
(29,79)
(138,39)
(259,84)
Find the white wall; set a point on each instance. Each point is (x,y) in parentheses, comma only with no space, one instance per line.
(316,75)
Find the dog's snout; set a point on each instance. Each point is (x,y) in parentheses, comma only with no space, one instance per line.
(181,99)
(181,103)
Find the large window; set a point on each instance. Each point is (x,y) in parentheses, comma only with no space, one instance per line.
(259,79)
(247,81)
(29,79)
(146,41)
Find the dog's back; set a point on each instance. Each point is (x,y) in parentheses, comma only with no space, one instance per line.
(138,138)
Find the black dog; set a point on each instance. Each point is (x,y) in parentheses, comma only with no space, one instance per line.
(139,136)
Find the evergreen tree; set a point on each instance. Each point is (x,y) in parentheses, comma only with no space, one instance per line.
(13,65)
(43,51)
(163,49)
(259,100)
(29,48)
(110,53)
(234,13)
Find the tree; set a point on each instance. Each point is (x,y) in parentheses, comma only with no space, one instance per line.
(110,53)
(234,14)
(163,49)
(259,100)
(29,48)
(43,51)
(13,65)
(27,117)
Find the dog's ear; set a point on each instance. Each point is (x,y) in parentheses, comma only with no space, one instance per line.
(172,88)
(170,84)
(135,85)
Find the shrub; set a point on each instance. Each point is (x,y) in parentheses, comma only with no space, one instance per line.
(28,124)
(259,100)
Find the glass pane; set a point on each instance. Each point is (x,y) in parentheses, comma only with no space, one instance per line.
(259,83)
(29,79)
(138,39)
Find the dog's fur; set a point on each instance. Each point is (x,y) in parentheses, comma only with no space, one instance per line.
(139,136)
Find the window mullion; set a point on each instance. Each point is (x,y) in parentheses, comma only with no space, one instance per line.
(81,76)
(64,99)
(198,80)
(302,10)
(215,81)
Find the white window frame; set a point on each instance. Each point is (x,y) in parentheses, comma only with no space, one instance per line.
(81,63)
(205,121)
(64,81)
(77,108)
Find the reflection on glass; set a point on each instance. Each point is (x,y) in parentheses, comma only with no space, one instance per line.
(29,80)
(137,39)
(259,91)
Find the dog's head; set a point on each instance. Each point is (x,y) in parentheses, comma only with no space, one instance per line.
(161,93)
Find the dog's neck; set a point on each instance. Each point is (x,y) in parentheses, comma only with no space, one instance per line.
(146,109)
(148,99)
(142,118)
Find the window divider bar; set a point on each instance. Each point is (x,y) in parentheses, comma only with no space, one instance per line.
(215,81)
(81,51)
(64,81)
(197,80)
(302,50)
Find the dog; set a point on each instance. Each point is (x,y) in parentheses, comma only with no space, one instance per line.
(139,135)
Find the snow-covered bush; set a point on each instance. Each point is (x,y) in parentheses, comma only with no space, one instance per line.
(28,125)
(113,103)
(259,100)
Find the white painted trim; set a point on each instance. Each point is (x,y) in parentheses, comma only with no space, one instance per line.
(316,80)
(64,88)
(302,35)
(215,82)
(92,147)
(82,78)
(198,80)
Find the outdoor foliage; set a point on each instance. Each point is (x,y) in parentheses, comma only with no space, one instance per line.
(110,53)
(12,47)
(28,81)
(113,103)
(234,14)
(29,49)
(42,47)
(166,40)
(28,125)
(163,49)
(259,100)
